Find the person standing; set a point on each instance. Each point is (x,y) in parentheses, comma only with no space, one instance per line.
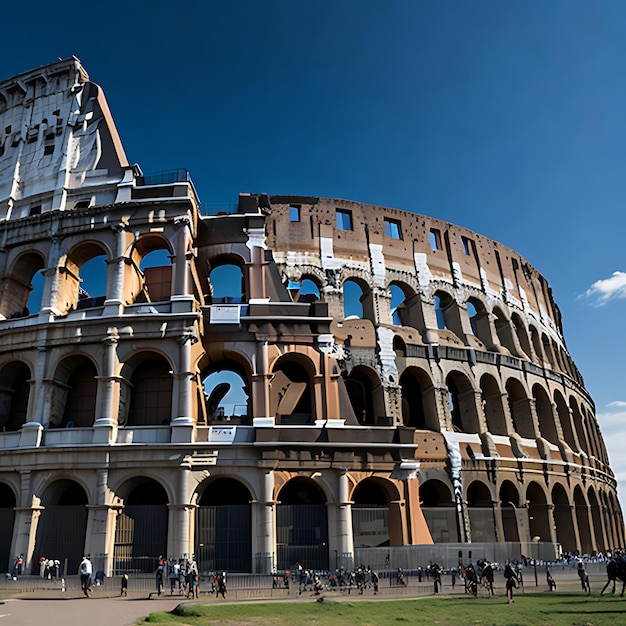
(511,582)
(85,570)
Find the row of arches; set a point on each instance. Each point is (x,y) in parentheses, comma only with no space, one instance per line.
(222,523)
(583,520)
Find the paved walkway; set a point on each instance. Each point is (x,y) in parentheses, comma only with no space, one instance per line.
(54,609)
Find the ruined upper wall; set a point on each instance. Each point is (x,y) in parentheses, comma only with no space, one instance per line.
(57,137)
(394,241)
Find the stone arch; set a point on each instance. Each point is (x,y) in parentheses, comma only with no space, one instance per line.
(366,395)
(152,255)
(447,313)
(504,331)
(374,522)
(479,321)
(226,390)
(577,418)
(292,398)
(62,524)
(492,405)
(419,409)
(8,502)
(617,519)
(547,351)
(74,392)
(563,520)
(538,513)
(82,277)
(462,403)
(537,345)
(480,511)
(21,290)
(582,517)
(596,518)
(310,289)
(15,379)
(146,392)
(439,509)
(227,279)
(223,538)
(565,418)
(301,525)
(141,526)
(545,415)
(358,299)
(522,335)
(607,519)
(407,311)
(509,504)
(520,408)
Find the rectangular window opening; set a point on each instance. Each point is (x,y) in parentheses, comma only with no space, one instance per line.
(435,239)
(294,213)
(344,219)
(393,228)
(466,245)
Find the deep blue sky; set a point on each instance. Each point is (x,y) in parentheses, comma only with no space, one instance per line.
(505,117)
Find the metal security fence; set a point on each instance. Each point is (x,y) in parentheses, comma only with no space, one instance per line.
(370,526)
(301,536)
(223,538)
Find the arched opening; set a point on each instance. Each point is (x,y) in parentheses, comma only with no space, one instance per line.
(538,513)
(565,419)
(370,515)
(509,503)
(74,395)
(563,521)
(547,351)
(399,346)
(536,341)
(492,405)
(607,519)
(615,513)
(224,527)
(582,517)
(519,406)
(358,301)
(141,528)
(462,403)
(301,525)
(547,427)
(577,418)
(62,525)
(439,511)
(156,270)
(596,518)
(93,282)
(14,393)
(291,390)
(397,299)
(366,396)
(7,519)
(479,321)
(22,289)
(504,332)
(150,390)
(522,335)
(226,394)
(227,281)
(418,401)
(480,512)
(447,313)
(308,290)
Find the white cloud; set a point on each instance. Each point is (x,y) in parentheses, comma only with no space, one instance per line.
(617,403)
(606,289)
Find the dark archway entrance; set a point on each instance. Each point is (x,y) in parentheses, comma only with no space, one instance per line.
(370,515)
(509,503)
(439,511)
(141,529)
(223,527)
(301,526)
(7,518)
(62,525)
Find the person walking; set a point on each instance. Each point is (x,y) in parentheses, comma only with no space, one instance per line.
(511,582)
(85,570)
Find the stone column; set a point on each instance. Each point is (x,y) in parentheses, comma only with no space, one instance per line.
(183,424)
(345,538)
(98,536)
(27,514)
(105,425)
(261,388)
(114,303)
(39,402)
(266,556)
(178,539)
(181,299)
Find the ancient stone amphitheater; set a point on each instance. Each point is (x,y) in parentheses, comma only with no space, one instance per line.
(292,379)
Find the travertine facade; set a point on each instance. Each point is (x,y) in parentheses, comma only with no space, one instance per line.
(294,381)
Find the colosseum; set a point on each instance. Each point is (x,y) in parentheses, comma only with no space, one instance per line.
(292,379)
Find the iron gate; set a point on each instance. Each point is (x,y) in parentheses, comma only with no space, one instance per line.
(302,536)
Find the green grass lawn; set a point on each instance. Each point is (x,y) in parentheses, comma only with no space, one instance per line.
(540,609)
